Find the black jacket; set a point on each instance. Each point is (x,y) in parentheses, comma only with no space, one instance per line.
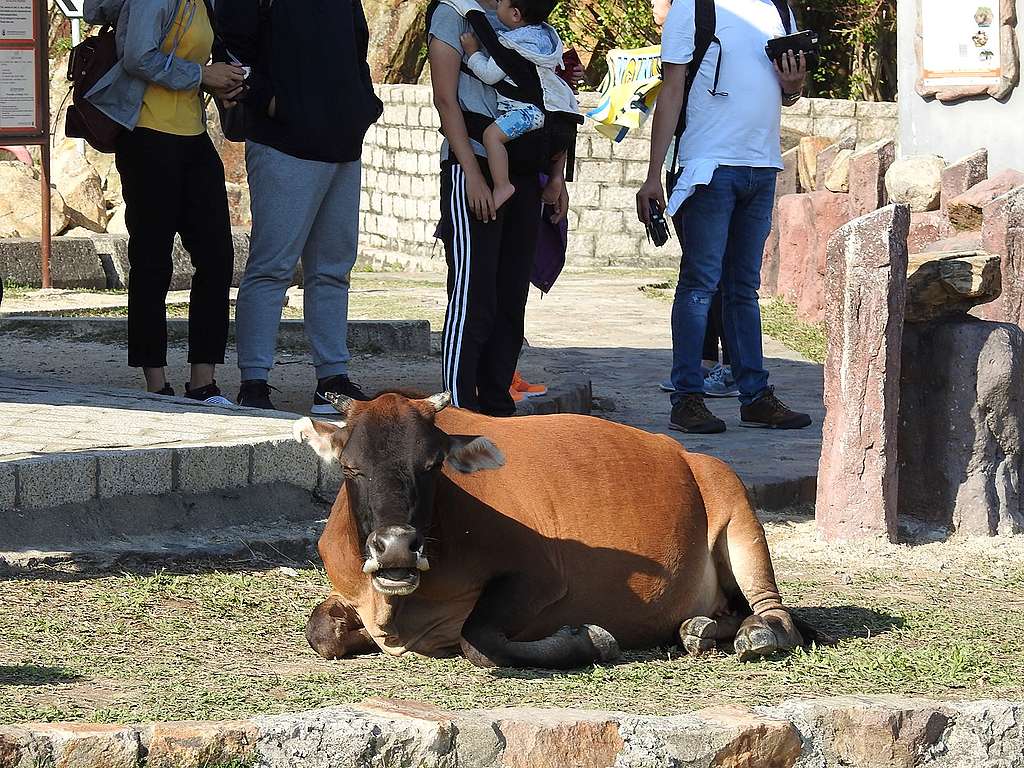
(310,56)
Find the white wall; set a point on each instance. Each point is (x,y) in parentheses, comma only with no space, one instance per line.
(955,130)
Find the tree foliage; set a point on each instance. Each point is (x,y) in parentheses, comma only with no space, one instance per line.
(858,39)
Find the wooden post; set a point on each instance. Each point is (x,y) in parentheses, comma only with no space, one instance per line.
(44,235)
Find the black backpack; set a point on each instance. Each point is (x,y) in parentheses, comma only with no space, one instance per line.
(90,60)
(533,151)
(706,22)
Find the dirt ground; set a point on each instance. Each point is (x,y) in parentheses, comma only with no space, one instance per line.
(938,620)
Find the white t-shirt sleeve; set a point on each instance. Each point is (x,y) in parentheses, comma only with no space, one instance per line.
(678,34)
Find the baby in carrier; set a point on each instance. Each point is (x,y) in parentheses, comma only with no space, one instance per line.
(529,35)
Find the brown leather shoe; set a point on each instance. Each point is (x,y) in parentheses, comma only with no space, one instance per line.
(768,412)
(691,415)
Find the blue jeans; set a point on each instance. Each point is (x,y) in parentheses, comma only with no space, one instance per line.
(725,226)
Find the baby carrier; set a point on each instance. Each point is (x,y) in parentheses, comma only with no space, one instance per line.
(533,151)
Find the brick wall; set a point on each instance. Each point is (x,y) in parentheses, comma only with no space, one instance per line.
(400,207)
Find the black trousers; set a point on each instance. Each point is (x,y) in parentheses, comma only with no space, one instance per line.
(175,184)
(715,334)
(489,266)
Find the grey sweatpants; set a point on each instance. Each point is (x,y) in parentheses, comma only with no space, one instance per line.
(300,209)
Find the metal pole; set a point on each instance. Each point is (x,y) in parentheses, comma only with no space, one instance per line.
(76,38)
(44,171)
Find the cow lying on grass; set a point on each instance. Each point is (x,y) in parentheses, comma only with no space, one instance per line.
(546,541)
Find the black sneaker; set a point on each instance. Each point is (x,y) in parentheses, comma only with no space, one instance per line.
(768,412)
(691,415)
(338,385)
(167,391)
(255,393)
(210,394)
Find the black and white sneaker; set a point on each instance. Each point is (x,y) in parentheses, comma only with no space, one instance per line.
(255,393)
(210,395)
(338,385)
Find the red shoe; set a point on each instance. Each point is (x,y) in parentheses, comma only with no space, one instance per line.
(521,385)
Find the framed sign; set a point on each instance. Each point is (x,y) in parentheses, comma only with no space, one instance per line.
(23,72)
(966,48)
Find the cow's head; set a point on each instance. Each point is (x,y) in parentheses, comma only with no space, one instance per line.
(391,454)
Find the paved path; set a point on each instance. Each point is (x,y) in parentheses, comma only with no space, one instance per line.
(599,326)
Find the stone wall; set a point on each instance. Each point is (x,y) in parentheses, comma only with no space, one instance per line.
(869,732)
(400,192)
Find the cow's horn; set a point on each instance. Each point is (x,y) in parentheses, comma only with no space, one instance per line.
(440,401)
(340,402)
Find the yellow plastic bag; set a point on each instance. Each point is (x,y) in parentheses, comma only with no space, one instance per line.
(628,91)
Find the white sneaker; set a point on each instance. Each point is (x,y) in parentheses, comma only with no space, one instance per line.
(208,395)
(719,382)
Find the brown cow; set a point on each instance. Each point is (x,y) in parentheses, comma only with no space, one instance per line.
(545,541)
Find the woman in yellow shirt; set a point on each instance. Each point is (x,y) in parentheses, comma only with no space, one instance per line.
(172,180)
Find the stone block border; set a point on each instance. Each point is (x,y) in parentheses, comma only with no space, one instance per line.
(867,732)
(400,337)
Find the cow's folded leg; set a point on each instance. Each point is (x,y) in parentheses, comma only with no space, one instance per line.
(701,634)
(334,630)
(766,632)
(486,634)
(568,648)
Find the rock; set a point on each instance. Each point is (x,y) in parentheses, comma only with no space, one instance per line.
(398,40)
(926,229)
(838,177)
(964,241)
(868,167)
(1002,232)
(865,298)
(238,204)
(827,157)
(941,284)
(81,187)
(20,203)
(810,147)
(80,745)
(870,731)
(805,223)
(788,180)
(987,733)
(232,153)
(74,263)
(116,224)
(916,181)
(962,395)
(174,745)
(546,738)
(965,209)
(962,175)
(725,736)
(348,736)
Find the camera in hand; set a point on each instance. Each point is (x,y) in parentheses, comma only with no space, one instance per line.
(657,230)
(803,42)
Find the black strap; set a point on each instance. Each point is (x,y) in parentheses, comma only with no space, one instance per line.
(705,23)
(787,20)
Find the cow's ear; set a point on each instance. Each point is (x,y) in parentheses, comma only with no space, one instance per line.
(471,453)
(328,440)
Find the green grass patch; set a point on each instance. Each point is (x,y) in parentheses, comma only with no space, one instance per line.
(779,320)
(215,642)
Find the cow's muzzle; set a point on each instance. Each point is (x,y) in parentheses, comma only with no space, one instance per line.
(395,559)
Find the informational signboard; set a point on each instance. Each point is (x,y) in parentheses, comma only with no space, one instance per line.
(966,48)
(23,65)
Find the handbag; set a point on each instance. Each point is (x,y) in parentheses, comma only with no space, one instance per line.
(90,60)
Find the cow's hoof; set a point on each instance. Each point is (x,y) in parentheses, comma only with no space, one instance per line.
(606,645)
(754,641)
(699,635)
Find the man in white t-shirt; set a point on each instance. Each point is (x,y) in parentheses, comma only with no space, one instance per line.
(729,156)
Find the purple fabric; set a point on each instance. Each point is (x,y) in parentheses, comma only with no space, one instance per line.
(552,241)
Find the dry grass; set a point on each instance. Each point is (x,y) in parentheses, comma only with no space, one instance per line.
(942,620)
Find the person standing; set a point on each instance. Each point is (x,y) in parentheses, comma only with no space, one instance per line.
(489,250)
(730,154)
(309,103)
(172,179)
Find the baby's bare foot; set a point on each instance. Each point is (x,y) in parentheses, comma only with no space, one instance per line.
(502,194)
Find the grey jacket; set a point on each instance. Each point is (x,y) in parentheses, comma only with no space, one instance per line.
(141,27)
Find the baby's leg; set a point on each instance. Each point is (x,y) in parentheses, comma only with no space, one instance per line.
(497,159)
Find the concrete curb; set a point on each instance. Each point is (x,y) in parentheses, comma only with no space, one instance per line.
(869,732)
(401,337)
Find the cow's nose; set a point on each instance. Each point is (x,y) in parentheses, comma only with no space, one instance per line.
(395,546)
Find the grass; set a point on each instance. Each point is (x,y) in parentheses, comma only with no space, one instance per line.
(223,643)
